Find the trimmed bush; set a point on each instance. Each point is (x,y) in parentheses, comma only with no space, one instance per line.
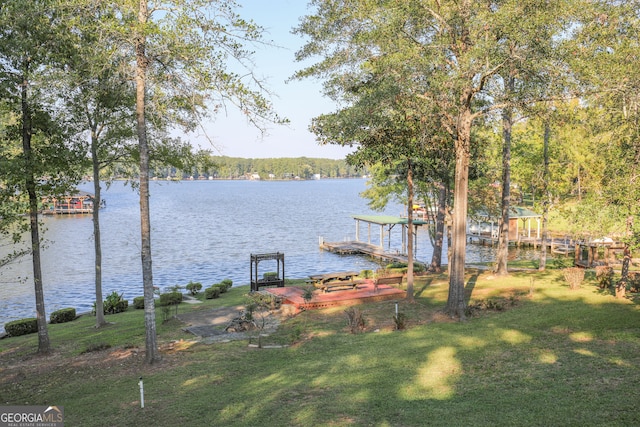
(138,303)
(21,327)
(270,276)
(194,287)
(170,298)
(227,283)
(220,286)
(63,315)
(212,292)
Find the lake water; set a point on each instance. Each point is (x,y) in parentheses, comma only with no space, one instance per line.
(202,231)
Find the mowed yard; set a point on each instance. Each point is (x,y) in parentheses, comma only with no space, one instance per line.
(532,352)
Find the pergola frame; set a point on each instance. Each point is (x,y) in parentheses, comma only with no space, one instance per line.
(278,280)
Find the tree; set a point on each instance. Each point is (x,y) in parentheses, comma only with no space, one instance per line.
(606,49)
(183,52)
(388,127)
(32,43)
(100,97)
(459,50)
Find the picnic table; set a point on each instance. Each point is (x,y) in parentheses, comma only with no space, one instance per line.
(338,279)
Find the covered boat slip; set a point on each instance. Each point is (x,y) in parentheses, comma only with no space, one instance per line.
(483,228)
(381,226)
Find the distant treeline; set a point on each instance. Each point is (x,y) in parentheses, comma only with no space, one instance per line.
(223,167)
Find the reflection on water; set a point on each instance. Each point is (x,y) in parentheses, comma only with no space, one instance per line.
(202,231)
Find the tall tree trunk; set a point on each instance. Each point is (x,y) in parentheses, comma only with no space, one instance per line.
(152,354)
(546,196)
(503,234)
(438,242)
(44,346)
(100,321)
(621,286)
(410,232)
(456,303)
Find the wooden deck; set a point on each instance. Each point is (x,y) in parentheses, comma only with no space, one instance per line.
(352,247)
(364,293)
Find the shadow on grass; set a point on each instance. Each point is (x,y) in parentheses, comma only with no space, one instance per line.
(559,358)
(421,286)
(470,286)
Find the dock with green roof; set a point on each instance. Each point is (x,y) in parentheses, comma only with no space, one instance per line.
(385,224)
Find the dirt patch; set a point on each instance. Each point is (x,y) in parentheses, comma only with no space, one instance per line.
(210,324)
(215,317)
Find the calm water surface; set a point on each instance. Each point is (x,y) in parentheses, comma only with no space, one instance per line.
(202,231)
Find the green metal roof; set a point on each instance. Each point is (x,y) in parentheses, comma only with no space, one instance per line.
(514,212)
(520,212)
(387,219)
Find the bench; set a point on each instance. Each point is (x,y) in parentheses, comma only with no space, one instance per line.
(353,284)
(392,279)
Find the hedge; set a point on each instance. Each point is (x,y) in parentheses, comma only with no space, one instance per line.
(63,315)
(21,327)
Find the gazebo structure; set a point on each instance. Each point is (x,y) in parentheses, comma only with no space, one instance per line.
(271,278)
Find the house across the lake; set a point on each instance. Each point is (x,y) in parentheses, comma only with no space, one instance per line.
(79,202)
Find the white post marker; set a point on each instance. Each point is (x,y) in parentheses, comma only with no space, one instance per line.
(141,393)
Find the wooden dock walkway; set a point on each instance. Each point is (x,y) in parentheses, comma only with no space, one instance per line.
(555,245)
(351,247)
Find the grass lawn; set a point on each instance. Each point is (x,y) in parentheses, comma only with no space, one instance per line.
(532,352)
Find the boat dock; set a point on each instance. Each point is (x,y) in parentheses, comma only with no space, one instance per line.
(351,247)
(384,224)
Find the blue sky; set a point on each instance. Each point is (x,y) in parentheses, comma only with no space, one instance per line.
(299,101)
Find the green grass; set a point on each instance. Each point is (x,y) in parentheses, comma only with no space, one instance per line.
(552,356)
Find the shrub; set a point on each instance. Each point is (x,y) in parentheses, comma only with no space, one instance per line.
(419,267)
(63,315)
(270,276)
(262,300)
(355,320)
(194,287)
(366,274)
(113,304)
(21,327)
(574,275)
(170,298)
(604,275)
(220,286)
(227,282)
(397,265)
(138,303)
(634,280)
(400,321)
(212,292)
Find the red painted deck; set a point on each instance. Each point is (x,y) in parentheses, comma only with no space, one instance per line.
(365,293)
